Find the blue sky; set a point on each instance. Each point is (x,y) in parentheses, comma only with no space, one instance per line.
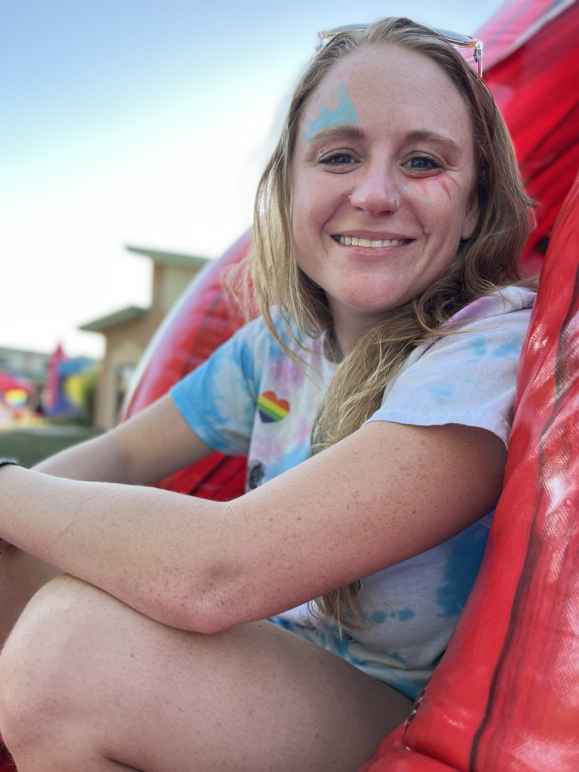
(143,123)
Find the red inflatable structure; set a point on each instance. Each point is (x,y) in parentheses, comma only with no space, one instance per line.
(505,697)
(203,319)
(532,63)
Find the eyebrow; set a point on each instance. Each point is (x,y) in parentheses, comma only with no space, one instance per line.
(432,136)
(346,131)
(353,132)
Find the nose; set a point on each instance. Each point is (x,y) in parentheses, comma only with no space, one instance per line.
(375,191)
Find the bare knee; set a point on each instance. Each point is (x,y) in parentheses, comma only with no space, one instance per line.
(21,575)
(40,660)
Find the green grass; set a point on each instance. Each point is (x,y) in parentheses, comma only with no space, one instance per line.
(30,446)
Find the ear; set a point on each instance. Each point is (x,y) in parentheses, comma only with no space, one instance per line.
(470,221)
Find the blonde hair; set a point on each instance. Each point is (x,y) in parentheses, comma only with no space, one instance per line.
(485,261)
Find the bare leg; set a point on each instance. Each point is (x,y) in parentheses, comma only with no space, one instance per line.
(21,576)
(85,680)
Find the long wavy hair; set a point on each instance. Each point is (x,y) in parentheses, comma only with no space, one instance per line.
(485,261)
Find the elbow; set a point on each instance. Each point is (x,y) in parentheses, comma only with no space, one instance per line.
(207,608)
(211,622)
(199,617)
(188,615)
(211,592)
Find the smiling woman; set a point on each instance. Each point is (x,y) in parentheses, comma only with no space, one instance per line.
(381,201)
(373,398)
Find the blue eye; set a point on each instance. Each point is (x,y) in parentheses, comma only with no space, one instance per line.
(338,158)
(422,163)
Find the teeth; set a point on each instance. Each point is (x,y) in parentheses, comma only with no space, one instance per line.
(352,241)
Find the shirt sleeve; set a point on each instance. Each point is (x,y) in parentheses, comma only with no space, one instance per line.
(218,399)
(468,377)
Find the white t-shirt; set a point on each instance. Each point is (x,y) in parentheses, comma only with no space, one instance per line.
(251,398)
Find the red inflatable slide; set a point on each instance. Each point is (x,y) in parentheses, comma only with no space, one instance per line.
(505,697)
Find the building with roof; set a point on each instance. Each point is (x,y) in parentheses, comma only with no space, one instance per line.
(127,332)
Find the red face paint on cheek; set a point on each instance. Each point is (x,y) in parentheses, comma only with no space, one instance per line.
(431,186)
(428,187)
(445,185)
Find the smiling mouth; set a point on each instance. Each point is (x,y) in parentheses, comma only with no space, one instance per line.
(352,241)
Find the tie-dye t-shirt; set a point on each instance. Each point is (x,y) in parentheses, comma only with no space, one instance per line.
(251,398)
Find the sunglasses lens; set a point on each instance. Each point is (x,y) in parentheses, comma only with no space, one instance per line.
(454,37)
(326,36)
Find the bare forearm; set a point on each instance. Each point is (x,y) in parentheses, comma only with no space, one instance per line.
(129,541)
(142,450)
(97,459)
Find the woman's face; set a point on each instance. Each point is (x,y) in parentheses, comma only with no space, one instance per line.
(382,178)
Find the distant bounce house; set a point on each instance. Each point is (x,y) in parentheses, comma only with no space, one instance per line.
(505,697)
(23,402)
(16,395)
(63,395)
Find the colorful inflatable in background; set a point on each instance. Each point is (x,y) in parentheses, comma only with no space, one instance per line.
(506,695)
(24,404)
(63,396)
(15,391)
(16,395)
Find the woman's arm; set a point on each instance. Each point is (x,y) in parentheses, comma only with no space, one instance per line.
(385,493)
(144,449)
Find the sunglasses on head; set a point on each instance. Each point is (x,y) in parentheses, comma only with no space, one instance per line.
(471,49)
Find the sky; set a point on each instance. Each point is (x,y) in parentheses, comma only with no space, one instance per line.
(143,123)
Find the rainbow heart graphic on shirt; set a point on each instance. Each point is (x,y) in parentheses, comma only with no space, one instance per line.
(271,407)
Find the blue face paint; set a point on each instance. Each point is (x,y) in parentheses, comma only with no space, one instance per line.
(344,114)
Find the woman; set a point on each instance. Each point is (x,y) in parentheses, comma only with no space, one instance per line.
(387,220)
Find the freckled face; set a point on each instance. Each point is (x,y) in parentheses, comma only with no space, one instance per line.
(382,177)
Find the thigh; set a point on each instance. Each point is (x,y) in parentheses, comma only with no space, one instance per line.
(21,576)
(251,698)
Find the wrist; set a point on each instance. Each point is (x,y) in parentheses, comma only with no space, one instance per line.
(5,461)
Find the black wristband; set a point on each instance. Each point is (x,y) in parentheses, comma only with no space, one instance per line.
(8,462)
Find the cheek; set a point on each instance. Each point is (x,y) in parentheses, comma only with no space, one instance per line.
(442,203)
(455,195)
(437,189)
(301,220)
(445,187)
(432,196)
(421,187)
(314,209)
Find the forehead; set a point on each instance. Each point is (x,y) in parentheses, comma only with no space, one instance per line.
(391,89)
